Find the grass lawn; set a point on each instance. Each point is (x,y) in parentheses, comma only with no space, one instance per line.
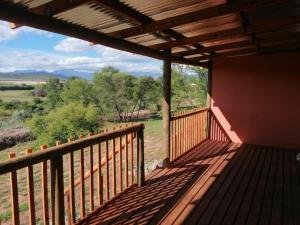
(20,95)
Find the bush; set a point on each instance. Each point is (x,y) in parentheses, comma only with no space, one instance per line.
(67,121)
(38,92)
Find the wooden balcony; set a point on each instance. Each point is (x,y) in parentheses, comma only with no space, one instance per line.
(214,183)
(211,180)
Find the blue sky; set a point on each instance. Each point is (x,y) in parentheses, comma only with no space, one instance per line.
(31,49)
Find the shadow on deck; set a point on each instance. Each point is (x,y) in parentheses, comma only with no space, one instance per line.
(215,183)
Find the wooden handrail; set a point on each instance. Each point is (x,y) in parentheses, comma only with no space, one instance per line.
(180,115)
(56,151)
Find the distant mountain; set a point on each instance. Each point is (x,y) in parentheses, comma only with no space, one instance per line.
(69,73)
(29,76)
(39,75)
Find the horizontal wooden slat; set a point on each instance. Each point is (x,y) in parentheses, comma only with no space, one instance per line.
(198,15)
(263,26)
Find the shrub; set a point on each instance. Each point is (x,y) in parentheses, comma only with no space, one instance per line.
(38,92)
(67,121)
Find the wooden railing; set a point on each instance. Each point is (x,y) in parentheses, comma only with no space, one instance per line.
(110,161)
(188,129)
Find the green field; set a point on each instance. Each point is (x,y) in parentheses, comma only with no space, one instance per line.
(20,95)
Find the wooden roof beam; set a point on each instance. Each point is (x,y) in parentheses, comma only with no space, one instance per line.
(215,48)
(273,47)
(18,15)
(263,26)
(219,10)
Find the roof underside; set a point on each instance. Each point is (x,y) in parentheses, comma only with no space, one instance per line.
(196,30)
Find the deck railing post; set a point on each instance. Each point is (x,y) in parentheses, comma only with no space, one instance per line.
(140,157)
(167,106)
(209,101)
(58,211)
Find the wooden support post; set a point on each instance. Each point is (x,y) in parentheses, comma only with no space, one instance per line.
(166,106)
(58,214)
(208,100)
(140,158)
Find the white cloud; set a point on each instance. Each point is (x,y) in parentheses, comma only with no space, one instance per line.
(72,45)
(21,59)
(6,33)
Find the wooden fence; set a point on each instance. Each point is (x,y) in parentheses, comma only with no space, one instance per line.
(108,164)
(188,129)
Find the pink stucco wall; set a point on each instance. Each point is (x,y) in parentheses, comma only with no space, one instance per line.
(257,99)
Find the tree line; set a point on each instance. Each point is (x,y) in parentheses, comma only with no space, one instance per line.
(79,106)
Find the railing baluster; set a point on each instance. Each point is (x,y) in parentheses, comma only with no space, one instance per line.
(120,165)
(132,158)
(14,194)
(71,195)
(100,180)
(126,162)
(107,170)
(30,191)
(82,186)
(114,180)
(140,158)
(45,190)
(58,215)
(91,177)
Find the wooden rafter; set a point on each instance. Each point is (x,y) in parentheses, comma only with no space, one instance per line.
(219,10)
(215,48)
(273,47)
(263,26)
(18,15)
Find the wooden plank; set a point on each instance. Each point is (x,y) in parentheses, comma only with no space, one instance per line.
(277,201)
(295,183)
(14,194)
(254,211)
(58,214)
(242,201)
(91,191)
(198,15)
(114,178)
(265,213)
(126,161)
(82,181)
(100,180)
(30,191)
(287,212)
(263,26)
(232,200)
(132,159)
(45,189)
(72,188)
(209,203)
(181,206)
(144,196)
(140,158)
(120,166)
(107,171)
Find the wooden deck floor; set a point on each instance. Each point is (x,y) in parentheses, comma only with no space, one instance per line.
(215,183)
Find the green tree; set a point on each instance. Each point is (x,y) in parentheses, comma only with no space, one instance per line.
(69,120)
(54,88)
(78,90)
(115,91)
